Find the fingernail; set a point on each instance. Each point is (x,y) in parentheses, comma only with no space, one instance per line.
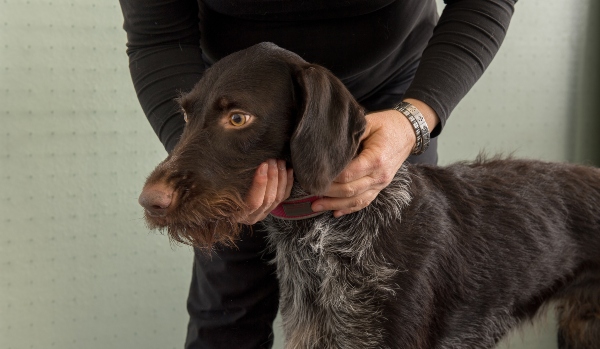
(262,170)
(281,164)
(272,162)
(318,208)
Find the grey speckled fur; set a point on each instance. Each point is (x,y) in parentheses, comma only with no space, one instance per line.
(332,280)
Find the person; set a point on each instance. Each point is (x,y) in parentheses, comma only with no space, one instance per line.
(384,51)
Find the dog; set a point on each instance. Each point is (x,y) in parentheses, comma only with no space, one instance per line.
(444,257)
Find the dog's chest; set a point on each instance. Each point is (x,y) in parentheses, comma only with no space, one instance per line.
(332,289)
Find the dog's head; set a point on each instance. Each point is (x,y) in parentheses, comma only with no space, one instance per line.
(257,104)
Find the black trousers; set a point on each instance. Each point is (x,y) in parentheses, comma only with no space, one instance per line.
(233,296)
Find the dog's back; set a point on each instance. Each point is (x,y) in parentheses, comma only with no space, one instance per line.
(518,195)
(500,239)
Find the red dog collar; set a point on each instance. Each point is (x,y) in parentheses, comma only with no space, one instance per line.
(296,208)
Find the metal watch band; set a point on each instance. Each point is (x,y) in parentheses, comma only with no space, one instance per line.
(419,125)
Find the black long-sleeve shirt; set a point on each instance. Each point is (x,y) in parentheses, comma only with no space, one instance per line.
(366,43)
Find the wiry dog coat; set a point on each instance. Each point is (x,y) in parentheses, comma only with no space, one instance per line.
(444,257)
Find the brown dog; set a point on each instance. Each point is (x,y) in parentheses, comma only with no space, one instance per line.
(444,257)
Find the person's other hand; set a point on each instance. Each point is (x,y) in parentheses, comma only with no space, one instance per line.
(387,142)
(272,184)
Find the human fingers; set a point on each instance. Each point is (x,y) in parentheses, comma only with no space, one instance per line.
(340,195)
(255,197)
(344,198)
(261,204)
(285,181)
(276,189)
(350,189)
(361,166)
(290,183)
(343,206)
(273,175)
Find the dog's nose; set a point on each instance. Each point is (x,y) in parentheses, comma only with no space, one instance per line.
(156,200)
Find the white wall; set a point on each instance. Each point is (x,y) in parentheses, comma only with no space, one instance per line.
(525,102)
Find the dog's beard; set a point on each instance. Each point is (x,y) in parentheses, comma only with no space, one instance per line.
(202,221)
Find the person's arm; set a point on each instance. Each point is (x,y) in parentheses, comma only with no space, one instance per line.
(464,42)
(163,45)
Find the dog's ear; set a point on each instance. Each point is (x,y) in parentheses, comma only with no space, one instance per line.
(329,126)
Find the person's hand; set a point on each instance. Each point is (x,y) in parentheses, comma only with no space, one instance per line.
(387,142)
(272,184)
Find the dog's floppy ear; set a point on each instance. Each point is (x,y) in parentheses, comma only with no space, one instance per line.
(329,126)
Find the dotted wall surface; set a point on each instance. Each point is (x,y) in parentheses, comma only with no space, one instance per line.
(78,267)
(525,102)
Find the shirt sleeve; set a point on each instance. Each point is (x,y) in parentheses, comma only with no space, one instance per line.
(464,42)
(164,59)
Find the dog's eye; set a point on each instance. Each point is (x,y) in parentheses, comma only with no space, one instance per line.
(238,119)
